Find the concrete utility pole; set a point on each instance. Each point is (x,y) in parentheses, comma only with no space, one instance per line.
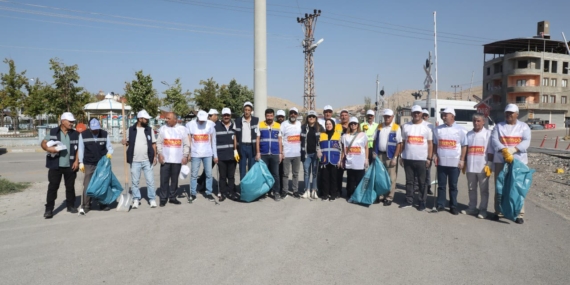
(309,23)
(427,83)
(260,57)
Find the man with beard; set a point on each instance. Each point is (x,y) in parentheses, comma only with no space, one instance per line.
(291,135)
(280,118)
(269,148)
(227,155)
(246,128)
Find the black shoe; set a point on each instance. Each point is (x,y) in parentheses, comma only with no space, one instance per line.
(48,213)
(405,205)
(210,198)
(519,221)
(191,198)
(72,210)
(86,209)
(429,191)
(331,199)
(283,196)
(174,201)
(162,203)
(422,206)
(454,211)
(387,202)
(323,198)
(222,198)
(277,197)
(496,217)
(440,208)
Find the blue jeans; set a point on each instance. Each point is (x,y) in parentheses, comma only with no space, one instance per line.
(447,174)
(207,164)
(146,167)
(310,166)
(246,159)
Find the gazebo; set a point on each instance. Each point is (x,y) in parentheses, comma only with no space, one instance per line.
(108,107)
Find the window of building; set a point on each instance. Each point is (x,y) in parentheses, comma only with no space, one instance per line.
(405,120)
(488,71)
(552,99)
(497,68)
(520,99)
(545,81)
(554,68)
(547,66)
(565,68)
(522,64)
(564,82)
(521,82)
(544,99)
(553,82)
(564,100)
(488,87)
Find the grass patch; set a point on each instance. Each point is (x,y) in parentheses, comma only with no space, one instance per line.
(7,187)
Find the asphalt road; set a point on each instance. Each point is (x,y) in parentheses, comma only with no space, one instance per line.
(267,242)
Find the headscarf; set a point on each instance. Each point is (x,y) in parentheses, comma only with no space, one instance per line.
(331,132)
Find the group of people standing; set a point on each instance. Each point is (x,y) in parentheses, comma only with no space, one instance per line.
(326,150)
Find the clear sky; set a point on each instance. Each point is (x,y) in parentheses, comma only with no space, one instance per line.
(199,39)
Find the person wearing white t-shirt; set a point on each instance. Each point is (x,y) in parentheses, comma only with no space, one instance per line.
(478,166)
(291,136)
(510,138)
(202,136)
(354,155)
(417,152)
(450,144)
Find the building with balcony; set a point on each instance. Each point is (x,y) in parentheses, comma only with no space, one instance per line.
(533,73)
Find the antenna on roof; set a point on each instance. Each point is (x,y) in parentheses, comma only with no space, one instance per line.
(566,43)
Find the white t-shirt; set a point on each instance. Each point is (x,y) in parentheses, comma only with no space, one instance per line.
(416,137)
(385,133)
(356,155)
(291,134)
(478,146)
(203,140)
(172,144)
(449,140)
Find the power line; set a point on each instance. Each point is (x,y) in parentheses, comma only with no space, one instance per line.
(109,51)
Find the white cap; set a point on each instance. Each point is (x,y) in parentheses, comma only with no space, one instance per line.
(213,112)
(370,112)
(294,109)
(353,120)
(327,108)
(312,113)
(512,108)
(416,108)
(449,110)
(143,114)
(425,111)
(248,104)
(202,116)
(184,171)
(280,113)
(67,116)
(343,111)
(226,111)
(388,112)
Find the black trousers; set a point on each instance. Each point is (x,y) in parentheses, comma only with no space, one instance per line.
(281,174)
(328,180)
(169,180)
(54,178)
(415,168)
(339,175)
(353,177)
(226,180)
(272,161)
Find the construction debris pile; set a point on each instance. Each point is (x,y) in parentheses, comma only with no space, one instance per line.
(551,182)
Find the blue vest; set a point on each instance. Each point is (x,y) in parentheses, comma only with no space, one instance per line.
(94,148)
(133,138)
(55,135)
(239,124)
(392,143)
(225,141)
(330,149)
(269,138)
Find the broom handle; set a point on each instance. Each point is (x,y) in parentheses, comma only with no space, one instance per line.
(125,138)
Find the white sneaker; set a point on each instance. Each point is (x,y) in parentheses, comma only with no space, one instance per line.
(306,194)
(136,203)
(81,211)
(470,212)
(314,194)
(482,215)
(153,203)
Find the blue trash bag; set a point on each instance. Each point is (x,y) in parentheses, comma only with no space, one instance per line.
(512,185)
(104,186)
(365,193)
(256,182)
(382,178)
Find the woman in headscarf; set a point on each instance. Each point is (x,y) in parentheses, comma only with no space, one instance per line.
(354,155)
(330,161)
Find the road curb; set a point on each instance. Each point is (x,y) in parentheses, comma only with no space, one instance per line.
(21,150)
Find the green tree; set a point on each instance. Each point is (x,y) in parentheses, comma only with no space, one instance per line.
(66,94)
(367,103)
(176,99)
(140,94)
(3,106)
(208,96)
(12,83)
(234,95)
(37,100)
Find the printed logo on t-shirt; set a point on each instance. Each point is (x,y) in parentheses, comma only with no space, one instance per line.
(204,138)
(416,140)
(476,150)
(447,144)
(294,139)
(175,143)
(354,150)
(511,141)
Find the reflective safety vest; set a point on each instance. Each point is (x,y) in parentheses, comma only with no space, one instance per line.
(392,143)
(330,148)
(94,147)
(269,138)
(52,162)
(370,130)
(225,141)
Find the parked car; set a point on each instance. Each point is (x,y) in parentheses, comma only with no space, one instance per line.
(536,127)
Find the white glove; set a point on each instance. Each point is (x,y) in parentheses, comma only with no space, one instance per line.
(82,167)
(512,150)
